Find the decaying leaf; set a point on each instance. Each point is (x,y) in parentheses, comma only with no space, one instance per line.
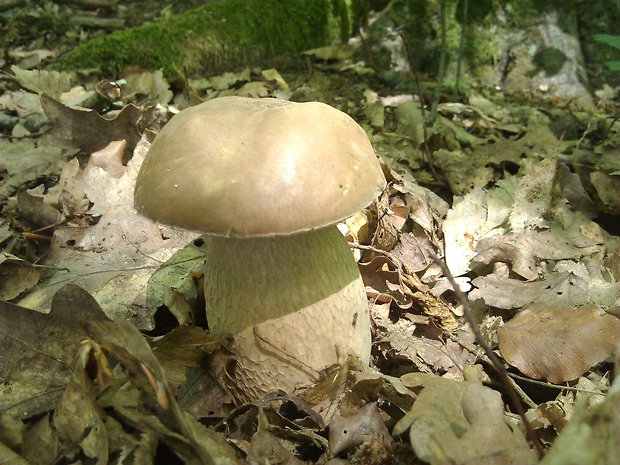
(523,250)
(267,447)
(52,83)
(153,408)
(37,350)
(88,131)
(607,187)
(16,276)
(563,288)
(591,435)
(172,284)
(462,423)
(114,258)
(558,344)
(351,431)
(557,412)
(23,162)
(410,339)
(183,348)
(147,84)
(78,419)
(382,281)
(478,214)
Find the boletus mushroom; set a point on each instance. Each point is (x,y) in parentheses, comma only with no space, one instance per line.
(267,180)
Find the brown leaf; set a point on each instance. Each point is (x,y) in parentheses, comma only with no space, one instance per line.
(351,431)
(558,344)
(87,130)
(183,348)
(198,444)
(34,209)
(16,276)
(78,421)
(382,281)
(36,350)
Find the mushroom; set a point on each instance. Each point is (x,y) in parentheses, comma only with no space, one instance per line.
(267,180)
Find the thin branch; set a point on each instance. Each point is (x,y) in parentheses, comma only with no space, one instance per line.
(497,363)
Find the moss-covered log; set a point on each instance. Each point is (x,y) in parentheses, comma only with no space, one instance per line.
(220,35)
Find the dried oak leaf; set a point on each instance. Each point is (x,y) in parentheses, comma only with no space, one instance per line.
(558,344)
(461,423)
(86,130)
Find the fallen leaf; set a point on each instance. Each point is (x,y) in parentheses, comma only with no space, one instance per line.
(461,423)
(558,344)
(25,164)
(16,276)
(607,187)
(183,348)
(591,435)
(488,439)
(156,410)
(347,432)
(403,339)
(37,350)
(265,447)
(382,281)
(477,215)
(33,208)
(148,84)
(114,258)
(52,83)
(562,288)
(88,131)
(79,423)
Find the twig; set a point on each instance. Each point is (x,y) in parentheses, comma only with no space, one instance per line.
(497,364)
(559,387)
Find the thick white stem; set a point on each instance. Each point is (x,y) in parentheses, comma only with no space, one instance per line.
(295,304)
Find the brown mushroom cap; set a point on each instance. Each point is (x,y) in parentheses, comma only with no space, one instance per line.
(254,167)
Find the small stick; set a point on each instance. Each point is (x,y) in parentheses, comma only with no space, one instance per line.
(497,364)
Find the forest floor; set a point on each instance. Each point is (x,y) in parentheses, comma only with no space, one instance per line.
(103,354)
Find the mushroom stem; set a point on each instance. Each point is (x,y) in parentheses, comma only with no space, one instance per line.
(295,304)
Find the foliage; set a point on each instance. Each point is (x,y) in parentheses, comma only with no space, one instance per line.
(612,41)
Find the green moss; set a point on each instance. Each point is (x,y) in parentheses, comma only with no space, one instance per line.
(215,36)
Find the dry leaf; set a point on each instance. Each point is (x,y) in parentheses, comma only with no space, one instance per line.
(351,431)
(183,348)
(52,83)
(114,258)
(558,344)
(157,410)
(16,276)
(591,436)
(461,423)
(36,350)
(88,131)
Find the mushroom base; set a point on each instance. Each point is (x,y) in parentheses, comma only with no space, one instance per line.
(295,305)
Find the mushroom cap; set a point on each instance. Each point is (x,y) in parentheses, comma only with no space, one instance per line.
(244,167)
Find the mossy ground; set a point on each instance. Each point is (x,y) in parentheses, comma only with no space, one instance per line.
(216,36)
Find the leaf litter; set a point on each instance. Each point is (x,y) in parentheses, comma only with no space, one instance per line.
(541,276)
